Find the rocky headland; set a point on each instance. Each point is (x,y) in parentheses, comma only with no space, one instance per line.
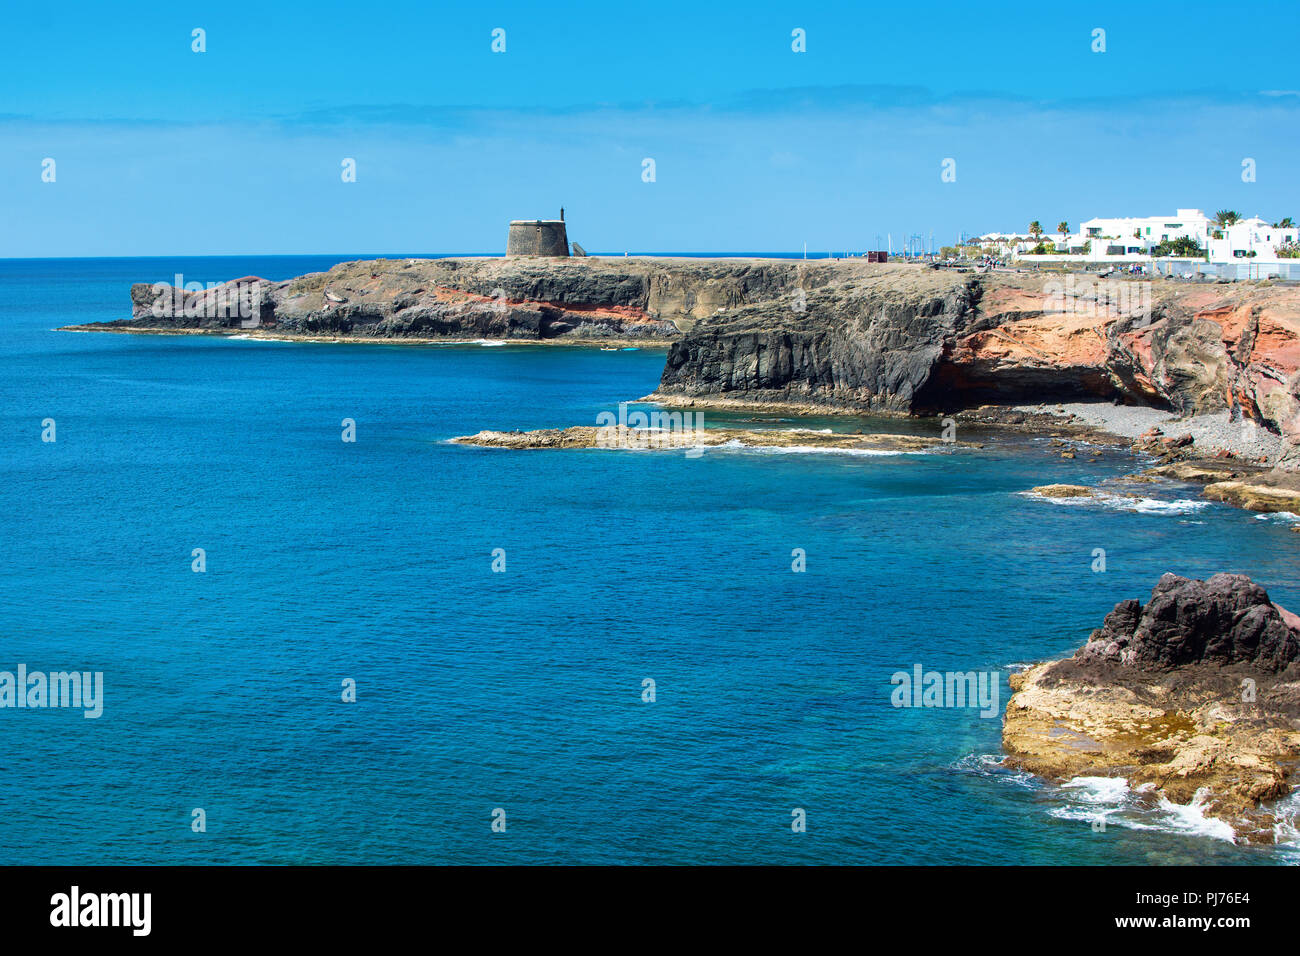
(1221,360)
(579,300)
(1196,691)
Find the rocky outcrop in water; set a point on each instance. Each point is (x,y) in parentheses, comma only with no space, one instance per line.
(589,436)
(1196,691)
(1063,491)
(1277,490)
(1240,483)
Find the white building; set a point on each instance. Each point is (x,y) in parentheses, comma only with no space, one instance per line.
(1136,236)
(1252,239)
(1010,243)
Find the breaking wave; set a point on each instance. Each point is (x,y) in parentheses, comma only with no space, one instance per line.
(1110,801)
(1102,802)
(1101,499)
(813,450)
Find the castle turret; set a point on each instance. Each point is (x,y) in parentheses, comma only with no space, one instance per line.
(537,237)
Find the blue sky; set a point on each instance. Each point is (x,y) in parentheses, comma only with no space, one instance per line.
(160,150)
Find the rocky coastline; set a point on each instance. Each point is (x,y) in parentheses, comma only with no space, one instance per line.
(1193,696)
(526,299)
(1207,373)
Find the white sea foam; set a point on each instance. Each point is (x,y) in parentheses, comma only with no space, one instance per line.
(993,765)
(813,450)
(1191,818)
(1102,790)
(1155,506)
(1282,517)
(735,444)
(1179,506)
(1111,800)
(488,343)
(1286,829)
(1075,502)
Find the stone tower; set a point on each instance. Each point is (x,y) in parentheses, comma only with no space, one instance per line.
(537,237)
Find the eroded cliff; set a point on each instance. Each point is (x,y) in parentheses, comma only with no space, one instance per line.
(909,339)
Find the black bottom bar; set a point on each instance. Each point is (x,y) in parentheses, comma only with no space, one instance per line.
(335,904)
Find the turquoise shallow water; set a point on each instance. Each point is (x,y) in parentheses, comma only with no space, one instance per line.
(522,690)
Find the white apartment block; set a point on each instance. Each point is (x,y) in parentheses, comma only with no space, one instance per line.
(1137,235)
(1252,240)
(1134,238)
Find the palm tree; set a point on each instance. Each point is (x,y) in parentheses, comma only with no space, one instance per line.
(1063,228)
(1284,224)
(1226,217)
(1035,229)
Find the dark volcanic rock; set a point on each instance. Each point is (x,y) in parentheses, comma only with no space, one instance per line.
(1226,620)
(870,340)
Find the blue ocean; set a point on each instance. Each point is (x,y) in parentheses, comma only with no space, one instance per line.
(518,695)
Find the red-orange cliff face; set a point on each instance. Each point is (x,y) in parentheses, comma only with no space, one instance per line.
(1188,348)
(917,340)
